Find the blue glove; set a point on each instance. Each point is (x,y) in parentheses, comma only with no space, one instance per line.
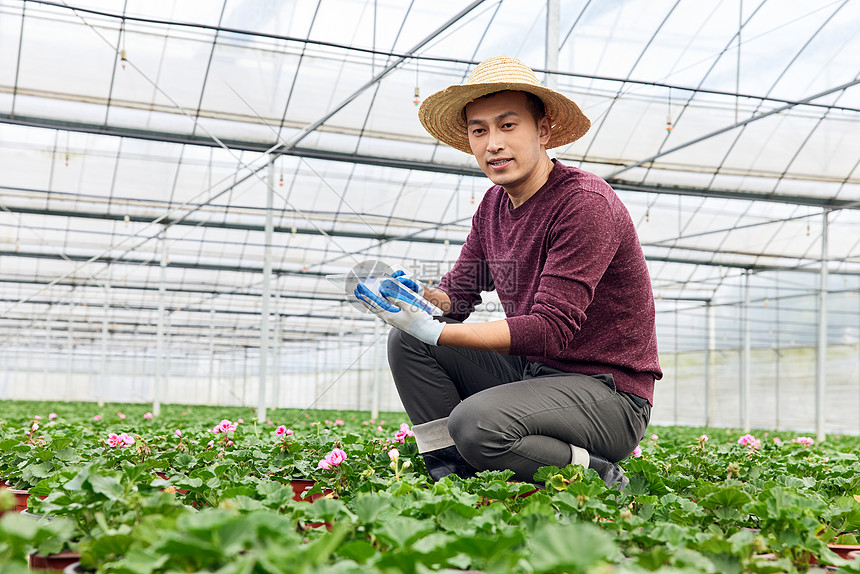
(402,309)
(409,281)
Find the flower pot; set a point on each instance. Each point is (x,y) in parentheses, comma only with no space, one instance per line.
(73,568)
(34,516)
(21,497)
(300,485)
(53,561)
(846,551)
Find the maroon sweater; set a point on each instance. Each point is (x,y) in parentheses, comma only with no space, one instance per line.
(571,276)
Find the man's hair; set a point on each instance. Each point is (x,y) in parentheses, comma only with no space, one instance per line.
(534,104)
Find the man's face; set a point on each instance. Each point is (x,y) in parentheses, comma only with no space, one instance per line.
(504,139)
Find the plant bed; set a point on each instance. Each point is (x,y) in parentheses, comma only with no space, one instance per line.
(694,504)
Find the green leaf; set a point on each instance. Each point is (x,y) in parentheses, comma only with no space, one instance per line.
(138,561)
(453,521)
(106,485)
(730,497)
(35,472)
(358,550)
(67,454)
(367,507)
(571,548)
(61,442)
(404,530)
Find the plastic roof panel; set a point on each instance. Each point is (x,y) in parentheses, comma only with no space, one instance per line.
(140,142)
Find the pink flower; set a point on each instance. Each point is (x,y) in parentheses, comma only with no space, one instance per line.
(654,437)
(37,417)
(324,464)
(335,457)
(126,439)
(804,440)
(749,441)
(211,442)
(52,416)
(120,415)
(113,440)
(704,438)
(224,426)
(637,452)
(281,430)
(35,426)
(26,432)
(179,433)
(339,422)
(147,415)
(97,418)
(393,454)
(379,428)
(239,421)
(405,431)
(289,432)
(777,440)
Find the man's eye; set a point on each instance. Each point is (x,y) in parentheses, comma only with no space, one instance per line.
(477,131)
(508,125)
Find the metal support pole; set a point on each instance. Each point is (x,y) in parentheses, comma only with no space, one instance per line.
(211,354)
(276,368)
(102,384)
(821,360)
(710,345)
(675,370)
(745,361)
(49,355)
(159,347)
(168,354)
(375,374)
(245,376)
(340,333)
(553,15)
(70,351)
(267,286)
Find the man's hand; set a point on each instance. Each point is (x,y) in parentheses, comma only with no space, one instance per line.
(408,281)
(402,309)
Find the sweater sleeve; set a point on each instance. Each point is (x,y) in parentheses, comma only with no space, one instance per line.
(582,242)
(469,276)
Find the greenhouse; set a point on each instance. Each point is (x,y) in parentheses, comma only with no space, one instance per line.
(184,187)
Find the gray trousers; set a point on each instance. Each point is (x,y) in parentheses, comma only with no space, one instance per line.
(505,412)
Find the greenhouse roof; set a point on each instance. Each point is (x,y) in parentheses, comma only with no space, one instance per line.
(138,141)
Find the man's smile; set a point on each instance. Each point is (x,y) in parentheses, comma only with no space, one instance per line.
(499,163)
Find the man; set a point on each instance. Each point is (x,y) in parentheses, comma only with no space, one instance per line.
(568,376)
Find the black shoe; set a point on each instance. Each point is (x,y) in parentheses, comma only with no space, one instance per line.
(445,461)
(612,474)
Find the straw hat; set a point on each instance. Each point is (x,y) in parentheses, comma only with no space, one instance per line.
(442,114)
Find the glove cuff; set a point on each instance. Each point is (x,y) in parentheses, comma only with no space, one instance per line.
(428,331)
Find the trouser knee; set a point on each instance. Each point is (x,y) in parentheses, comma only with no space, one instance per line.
(474,436)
